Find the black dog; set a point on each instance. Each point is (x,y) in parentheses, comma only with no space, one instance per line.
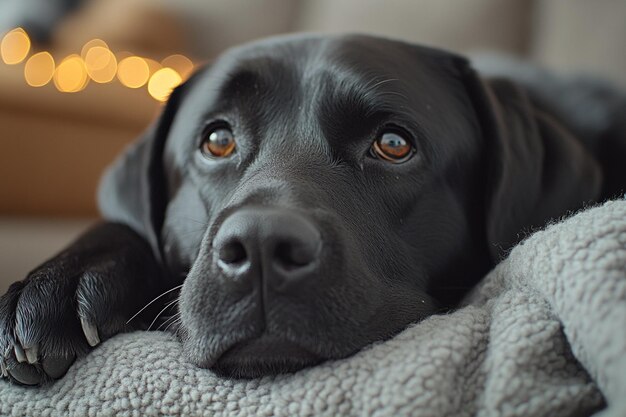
(309,196)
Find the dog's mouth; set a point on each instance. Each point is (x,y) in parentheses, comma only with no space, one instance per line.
(262,356)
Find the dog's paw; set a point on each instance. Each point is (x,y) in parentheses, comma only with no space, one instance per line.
(58,313)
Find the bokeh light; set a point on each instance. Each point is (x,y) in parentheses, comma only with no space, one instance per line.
(96,62)
(133,72)
(179,63)
(101,64)
(123,55)
(39,69)
(163,82)
(92,44)
(71,75)
(153,65)
(15,46)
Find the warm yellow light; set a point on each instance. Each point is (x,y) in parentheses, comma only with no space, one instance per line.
(163,82)
(101,64)
(123,55)
(15,46)
(153,65)
(39,69)
(133,72)
(98,63)
(181,64)
(71,75)
(92,44)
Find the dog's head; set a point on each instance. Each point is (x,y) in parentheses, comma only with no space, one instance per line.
(322,193)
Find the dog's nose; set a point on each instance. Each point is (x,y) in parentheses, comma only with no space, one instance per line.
(274,246)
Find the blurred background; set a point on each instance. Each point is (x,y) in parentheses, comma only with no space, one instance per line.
(80,79)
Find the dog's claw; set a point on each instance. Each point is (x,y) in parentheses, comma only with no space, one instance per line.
(19,354)
(32,354)
(91,332)
(5,373)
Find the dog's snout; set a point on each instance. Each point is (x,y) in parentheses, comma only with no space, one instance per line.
(273,246)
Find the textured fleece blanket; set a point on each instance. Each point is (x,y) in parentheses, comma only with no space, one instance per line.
(543,335)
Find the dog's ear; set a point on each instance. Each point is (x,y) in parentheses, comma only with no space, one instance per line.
(535,169)
(133,189)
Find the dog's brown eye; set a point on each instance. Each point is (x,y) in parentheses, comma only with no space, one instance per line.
(392,147)
(218,143)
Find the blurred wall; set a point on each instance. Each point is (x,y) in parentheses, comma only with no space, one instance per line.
(457,25)
(566,35)
(581,36)
(213,25)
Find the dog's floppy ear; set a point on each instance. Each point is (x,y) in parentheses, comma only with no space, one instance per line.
(536,170)
(133,189)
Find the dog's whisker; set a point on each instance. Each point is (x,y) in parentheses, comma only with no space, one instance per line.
(155,299)
(168,320)
(176,322)
(170,304)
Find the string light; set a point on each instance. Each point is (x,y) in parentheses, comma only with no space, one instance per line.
(163,82)
(153,66)
(179,63)
(39,69)
(92,44)
(71,75)
(133,72)
(123,54)
(97,63)
(101,64)
(15,46)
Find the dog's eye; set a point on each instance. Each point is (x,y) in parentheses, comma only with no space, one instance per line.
(392,147)
(218,143)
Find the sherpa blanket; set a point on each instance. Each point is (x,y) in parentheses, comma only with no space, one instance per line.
(543,335)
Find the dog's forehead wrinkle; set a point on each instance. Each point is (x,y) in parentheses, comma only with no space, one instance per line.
(264,73)
(306,83)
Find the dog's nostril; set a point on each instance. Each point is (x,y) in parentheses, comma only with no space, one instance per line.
(291,256)
(233,253)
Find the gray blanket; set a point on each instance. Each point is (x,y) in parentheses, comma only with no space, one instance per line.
(543,335)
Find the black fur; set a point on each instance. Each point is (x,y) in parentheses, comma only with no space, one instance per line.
(388,244)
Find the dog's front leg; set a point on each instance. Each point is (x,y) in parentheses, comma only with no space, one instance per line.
(82,296)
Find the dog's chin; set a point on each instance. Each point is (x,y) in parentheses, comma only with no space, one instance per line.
(263,356)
